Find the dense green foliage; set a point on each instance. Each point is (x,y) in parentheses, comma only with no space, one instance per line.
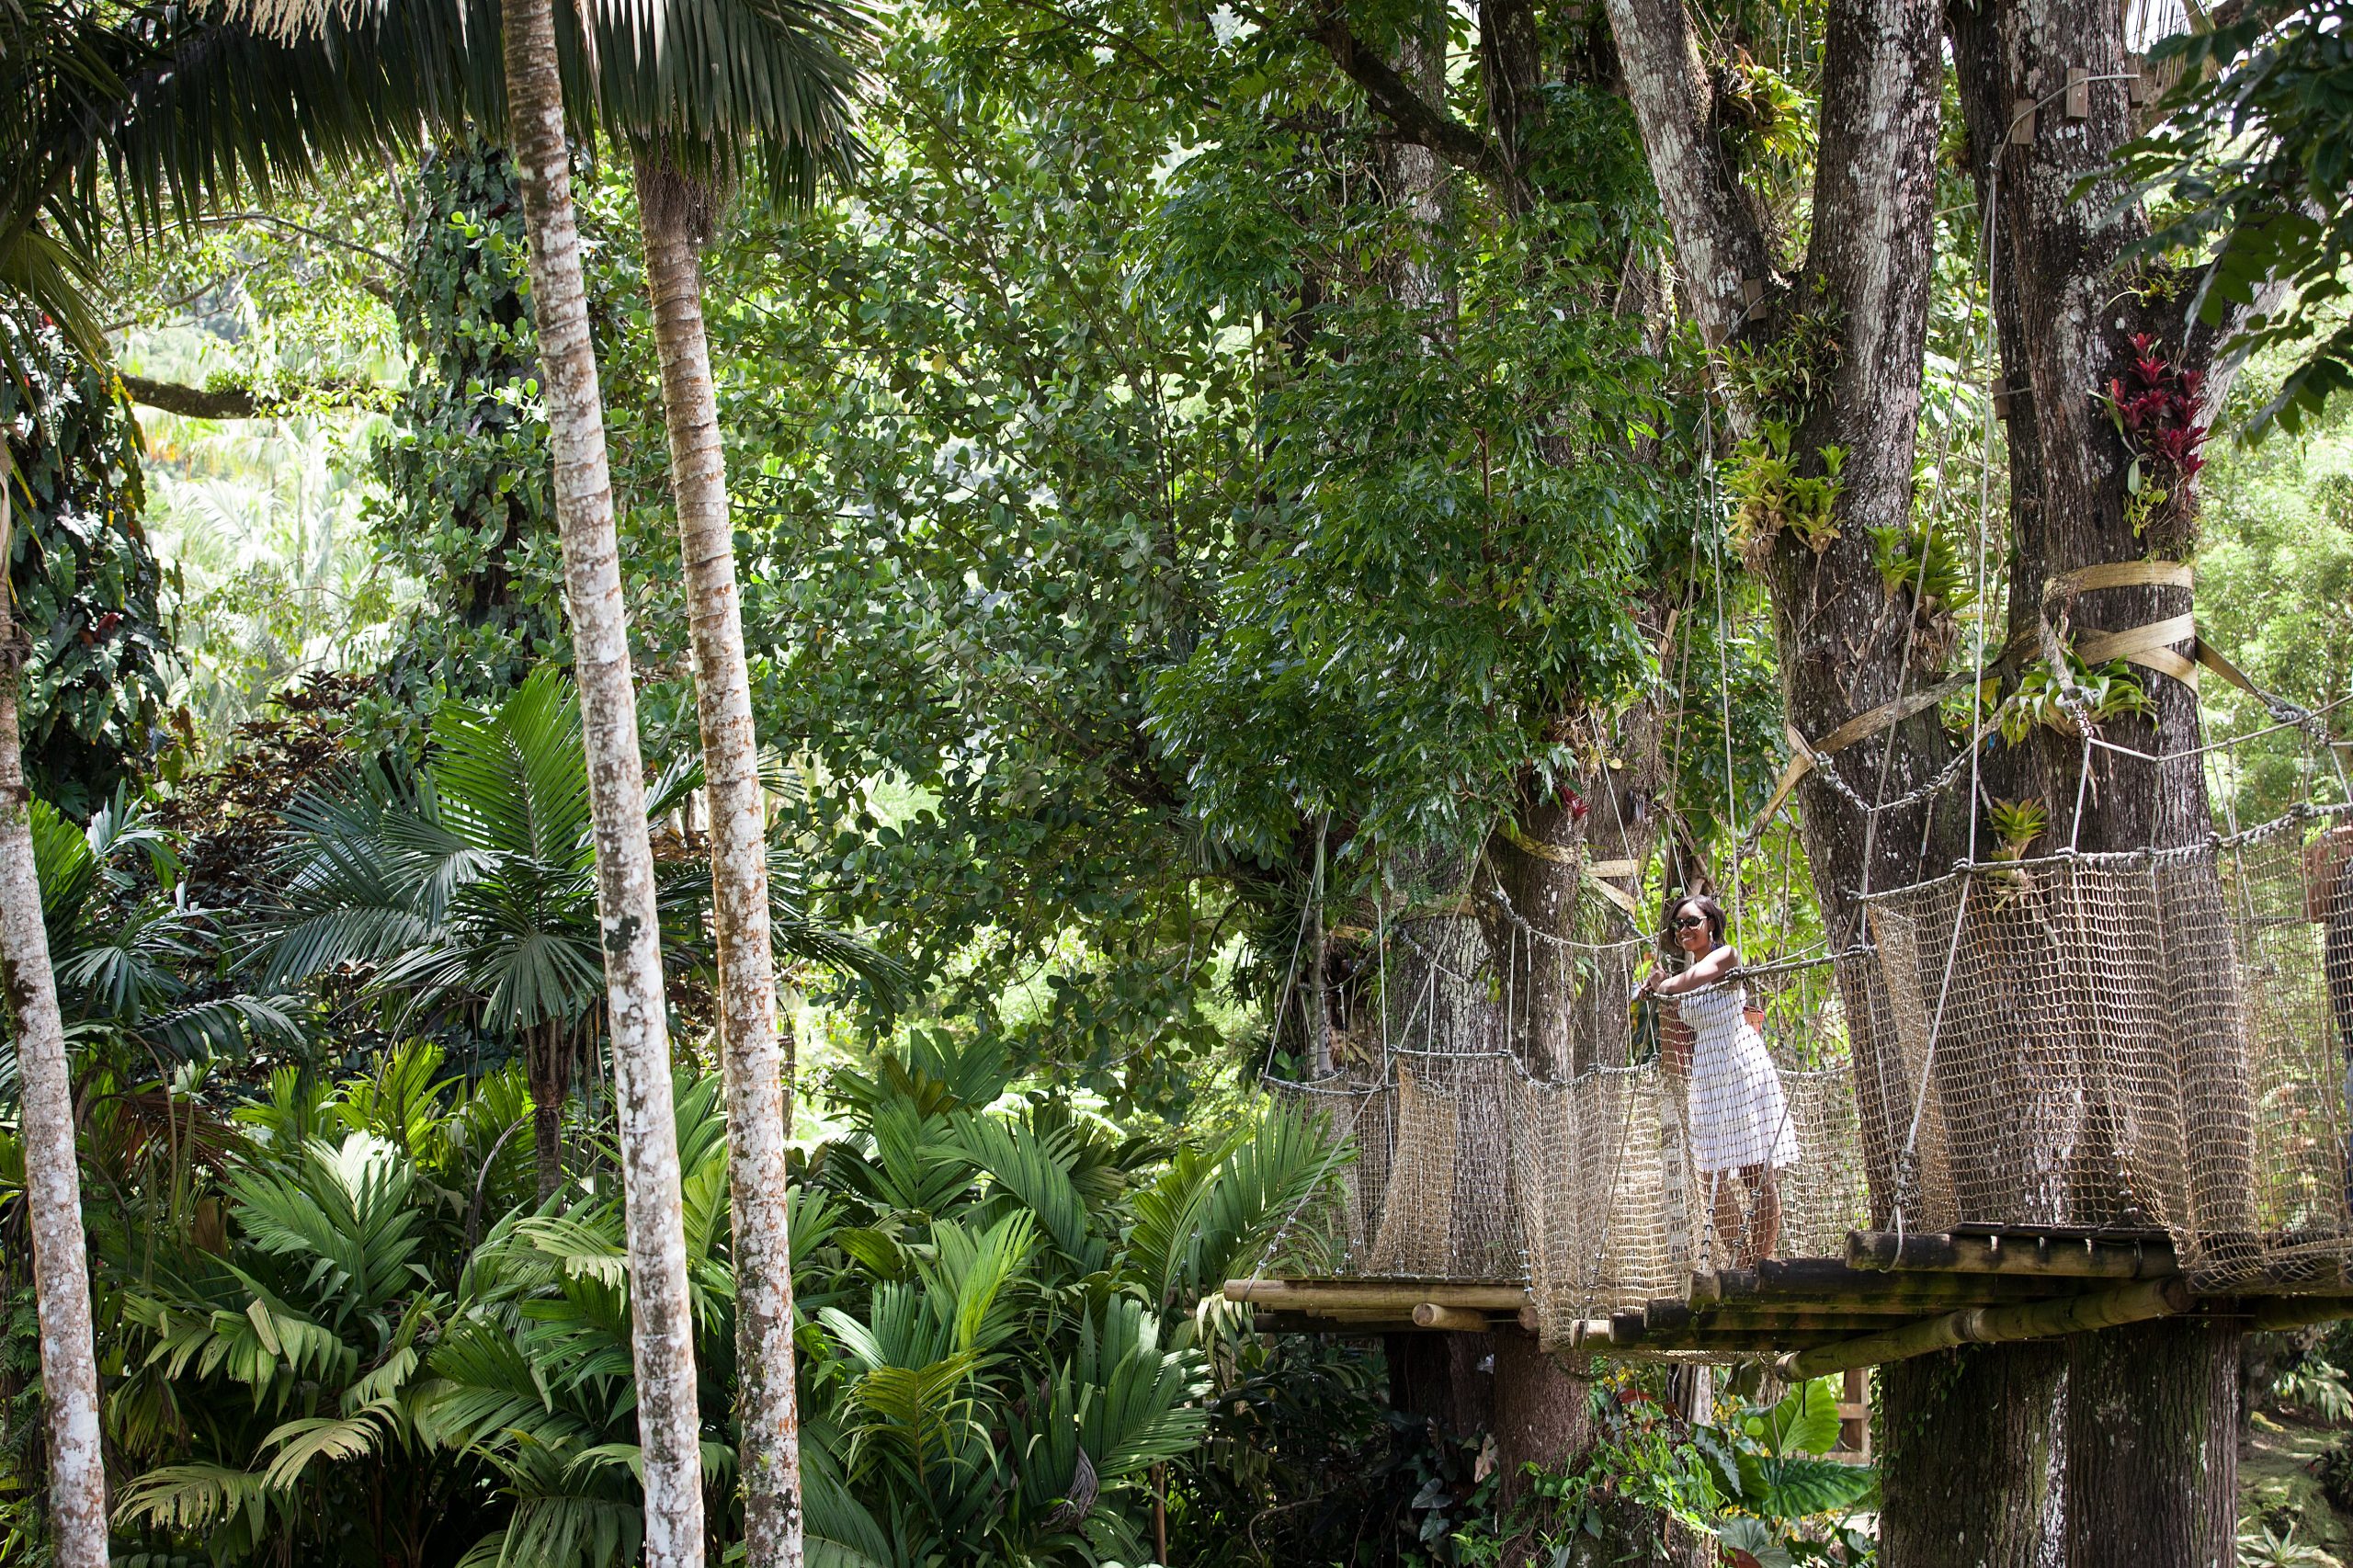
(2256,154)
(357,1340)
(1137,542)
(89,593)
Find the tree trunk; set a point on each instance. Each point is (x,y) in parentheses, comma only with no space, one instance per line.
(662,1326)
(52,1177)
(1567,1005)
(1846,643)
(1968,1454)
(2151,1456)
(2151,1426)
(547,1060)
(677,218)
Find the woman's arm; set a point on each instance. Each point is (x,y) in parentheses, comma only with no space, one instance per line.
(1707,972)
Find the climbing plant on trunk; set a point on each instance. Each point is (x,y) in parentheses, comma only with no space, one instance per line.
(52,1177)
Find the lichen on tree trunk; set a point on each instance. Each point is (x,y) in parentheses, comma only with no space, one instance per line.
(676,219)
(661,1324)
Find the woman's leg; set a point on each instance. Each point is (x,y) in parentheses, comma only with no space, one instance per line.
(1730,1227)
(1764,1208)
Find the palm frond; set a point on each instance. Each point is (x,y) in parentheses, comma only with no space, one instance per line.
(1036,1171)
(196,1498)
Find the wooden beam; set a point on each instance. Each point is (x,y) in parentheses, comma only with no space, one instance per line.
(1677,1317)
(1454,1320)
(2274,1314)
(2081,1257)
(1827,1282)
(1747,1341)
(1322,1297)
(1995,1326)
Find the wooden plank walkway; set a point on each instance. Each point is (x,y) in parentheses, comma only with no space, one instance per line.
(1889,1298)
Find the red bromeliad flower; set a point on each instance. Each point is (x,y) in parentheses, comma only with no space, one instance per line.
(2156,413)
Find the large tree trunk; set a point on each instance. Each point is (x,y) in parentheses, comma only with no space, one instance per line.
(2150,1422)
(677,218)
(52,1177)
(1969,1447)
(1847,644)
(662,1326)
(2151,1454)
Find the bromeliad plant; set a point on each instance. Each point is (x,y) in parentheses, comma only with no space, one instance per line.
(2154,409)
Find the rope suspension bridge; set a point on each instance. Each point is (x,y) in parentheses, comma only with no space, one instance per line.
(2042,1095)
(2087,1089)
(2030,1097)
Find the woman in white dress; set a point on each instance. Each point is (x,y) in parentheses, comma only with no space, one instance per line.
(1739,1113)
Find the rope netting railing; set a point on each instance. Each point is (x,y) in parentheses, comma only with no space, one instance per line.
(1515,1127)
(2153,1040)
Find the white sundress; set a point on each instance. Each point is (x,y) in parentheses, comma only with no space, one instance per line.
(1740,1114)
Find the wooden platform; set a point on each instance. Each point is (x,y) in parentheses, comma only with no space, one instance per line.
(1891,1296)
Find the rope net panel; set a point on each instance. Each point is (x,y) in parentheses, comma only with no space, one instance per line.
(2142,1040)
(2128,1043)
(1513,1127)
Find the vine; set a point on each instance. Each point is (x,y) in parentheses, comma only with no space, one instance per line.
(92,625)
(468,512)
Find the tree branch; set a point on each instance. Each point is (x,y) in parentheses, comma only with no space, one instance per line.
(271,220)
(1415,121)
(229,403)
(1716,237)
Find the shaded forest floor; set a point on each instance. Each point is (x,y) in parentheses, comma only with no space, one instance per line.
(2280,1485)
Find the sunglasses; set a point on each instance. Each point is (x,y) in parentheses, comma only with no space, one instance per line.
(1688,922)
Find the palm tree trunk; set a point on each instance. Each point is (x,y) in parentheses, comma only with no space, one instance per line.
(545,1052)
(675,215)
(661,1325)
(52,1180)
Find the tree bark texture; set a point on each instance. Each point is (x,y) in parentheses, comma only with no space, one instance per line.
(1716,243)
(662,1326)
(2151,1454)
(1968,1443)
(2151,1451)
(69,1372)
(676,219)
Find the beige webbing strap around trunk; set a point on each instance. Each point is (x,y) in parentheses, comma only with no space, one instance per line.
(2146,573)
(1555,854)
(2150,646)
